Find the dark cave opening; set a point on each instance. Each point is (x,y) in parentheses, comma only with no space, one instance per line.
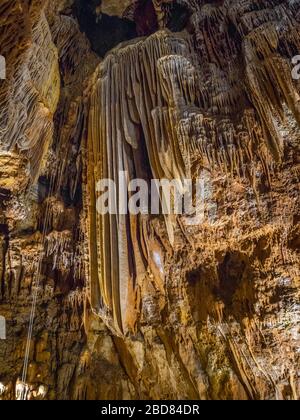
(179,18)
(106,32)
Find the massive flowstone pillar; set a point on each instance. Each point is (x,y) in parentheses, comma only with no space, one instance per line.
(137,96)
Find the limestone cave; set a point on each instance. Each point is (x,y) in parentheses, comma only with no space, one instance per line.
(150,305)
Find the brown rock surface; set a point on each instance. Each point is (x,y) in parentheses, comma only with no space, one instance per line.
(114,8)
(151,307)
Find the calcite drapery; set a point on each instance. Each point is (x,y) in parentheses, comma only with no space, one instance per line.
(30,94)
(133,105)
(48,59)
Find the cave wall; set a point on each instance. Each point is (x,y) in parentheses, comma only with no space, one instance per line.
(138,306)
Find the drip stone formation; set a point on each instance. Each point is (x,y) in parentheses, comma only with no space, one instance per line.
(150,306)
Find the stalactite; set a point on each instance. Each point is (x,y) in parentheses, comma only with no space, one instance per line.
(269,81)
(131,97)
(164,102)
(26,114)
(2,388)
(75,298)
(58,245)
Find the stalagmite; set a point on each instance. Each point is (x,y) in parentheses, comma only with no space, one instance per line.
(22,390)
(2,388)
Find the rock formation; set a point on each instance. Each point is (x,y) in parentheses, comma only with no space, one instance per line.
(138,306)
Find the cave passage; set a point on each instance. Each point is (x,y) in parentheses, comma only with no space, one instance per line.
(98,29)
(98,26)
